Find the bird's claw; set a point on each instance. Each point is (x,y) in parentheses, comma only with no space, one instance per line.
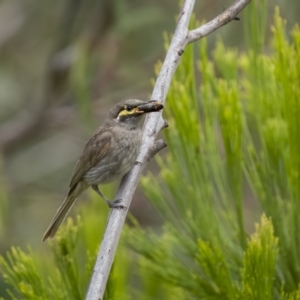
(115,204)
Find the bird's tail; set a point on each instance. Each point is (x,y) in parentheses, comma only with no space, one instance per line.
(63,210)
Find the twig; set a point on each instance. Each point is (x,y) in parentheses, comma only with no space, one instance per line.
(225,17)
(153,124)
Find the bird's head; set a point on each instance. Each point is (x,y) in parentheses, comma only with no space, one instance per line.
(131,111)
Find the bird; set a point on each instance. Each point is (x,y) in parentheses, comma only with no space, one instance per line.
(108,155)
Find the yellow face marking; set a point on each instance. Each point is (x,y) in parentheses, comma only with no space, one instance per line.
(127,112)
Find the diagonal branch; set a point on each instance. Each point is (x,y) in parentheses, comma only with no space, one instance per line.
(153,124)
(227,16)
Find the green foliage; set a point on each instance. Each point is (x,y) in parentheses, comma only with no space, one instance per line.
(237,128)
(233,148)
(256,29)
(32,275)
(20,271)
(259,263)
(206,273)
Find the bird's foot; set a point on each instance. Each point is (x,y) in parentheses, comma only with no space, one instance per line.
(115,204)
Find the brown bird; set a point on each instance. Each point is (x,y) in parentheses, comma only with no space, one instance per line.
(109,154)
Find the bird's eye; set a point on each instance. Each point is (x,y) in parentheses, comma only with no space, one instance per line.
(129,108)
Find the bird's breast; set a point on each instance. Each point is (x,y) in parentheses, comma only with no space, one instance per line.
(119,159)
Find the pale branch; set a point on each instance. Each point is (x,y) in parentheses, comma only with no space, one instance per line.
(153,124)
(162,124)
(155,148)
(227,16)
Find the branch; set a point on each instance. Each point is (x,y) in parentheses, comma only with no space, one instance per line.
(221,20)
(153,124)
(155,148)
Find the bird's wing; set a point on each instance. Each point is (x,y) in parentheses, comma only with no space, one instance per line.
(95,149)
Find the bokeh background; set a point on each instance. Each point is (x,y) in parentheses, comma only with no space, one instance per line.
(64,63)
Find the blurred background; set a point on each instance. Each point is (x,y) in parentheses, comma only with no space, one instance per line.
(64,63)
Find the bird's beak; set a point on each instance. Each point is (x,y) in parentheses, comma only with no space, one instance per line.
(150,106)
